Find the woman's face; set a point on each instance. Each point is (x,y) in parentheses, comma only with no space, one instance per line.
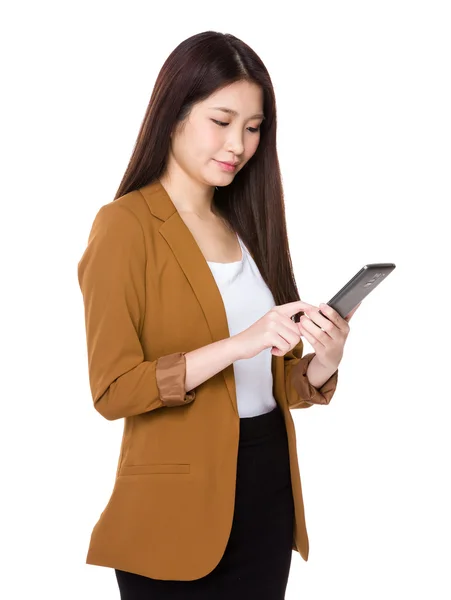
(210,135)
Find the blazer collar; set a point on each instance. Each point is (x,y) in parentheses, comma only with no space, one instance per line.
(191,260)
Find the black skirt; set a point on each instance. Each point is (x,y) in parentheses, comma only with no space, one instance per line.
(257,559)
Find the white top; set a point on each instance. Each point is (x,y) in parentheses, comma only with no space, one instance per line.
(246,299)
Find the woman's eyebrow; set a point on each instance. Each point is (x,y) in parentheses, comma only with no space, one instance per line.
(233,112)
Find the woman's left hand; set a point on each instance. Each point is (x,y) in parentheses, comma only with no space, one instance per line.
(327,337)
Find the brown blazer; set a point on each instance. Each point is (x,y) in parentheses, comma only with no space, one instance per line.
(149,297)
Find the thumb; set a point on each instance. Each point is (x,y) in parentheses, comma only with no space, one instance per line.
(350,315)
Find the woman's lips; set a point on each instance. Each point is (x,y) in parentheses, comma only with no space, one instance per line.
(226,166)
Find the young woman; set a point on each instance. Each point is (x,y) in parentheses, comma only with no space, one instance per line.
(188,293)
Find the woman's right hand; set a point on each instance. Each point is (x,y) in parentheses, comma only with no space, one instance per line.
(274,330)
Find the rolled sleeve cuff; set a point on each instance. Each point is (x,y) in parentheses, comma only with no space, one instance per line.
(305,389)
(170,375)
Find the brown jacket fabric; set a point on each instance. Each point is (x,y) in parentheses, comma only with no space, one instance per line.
(149,297)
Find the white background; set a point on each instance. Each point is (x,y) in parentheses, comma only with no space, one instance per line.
(363,95)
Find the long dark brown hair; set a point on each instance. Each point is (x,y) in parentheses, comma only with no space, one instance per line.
(253,204)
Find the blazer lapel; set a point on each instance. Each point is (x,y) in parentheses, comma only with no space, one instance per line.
(193,263)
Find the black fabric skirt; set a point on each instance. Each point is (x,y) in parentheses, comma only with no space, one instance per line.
(257,559)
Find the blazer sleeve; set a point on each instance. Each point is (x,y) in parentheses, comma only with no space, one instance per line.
(300,392)
(111,275)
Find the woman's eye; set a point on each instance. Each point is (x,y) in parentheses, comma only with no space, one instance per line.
(221,124)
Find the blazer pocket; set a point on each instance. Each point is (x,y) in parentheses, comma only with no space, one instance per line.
(154,468)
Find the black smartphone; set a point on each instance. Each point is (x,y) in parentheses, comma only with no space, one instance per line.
(357,288)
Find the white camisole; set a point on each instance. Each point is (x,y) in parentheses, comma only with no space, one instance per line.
(246,299)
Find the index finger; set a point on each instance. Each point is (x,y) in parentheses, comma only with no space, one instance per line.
(294,310)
